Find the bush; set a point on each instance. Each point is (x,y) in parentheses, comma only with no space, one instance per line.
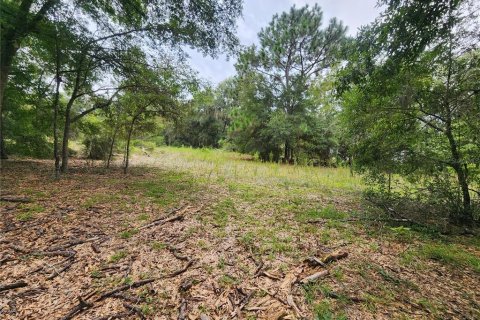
(35,146)
(96,147)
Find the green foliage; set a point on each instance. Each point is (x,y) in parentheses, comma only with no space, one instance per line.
(117,256)
(276,113)
(206,122)
(410,105)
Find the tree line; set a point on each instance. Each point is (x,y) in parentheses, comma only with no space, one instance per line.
(399,102)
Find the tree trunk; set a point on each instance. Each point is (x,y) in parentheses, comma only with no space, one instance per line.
(462,177)
(127,149)
(56,156)
(66,135)
(112,144)
(4,72)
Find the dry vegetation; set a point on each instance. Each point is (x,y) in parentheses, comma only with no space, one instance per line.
(199,234)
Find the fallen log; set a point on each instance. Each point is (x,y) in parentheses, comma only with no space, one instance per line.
(15,285)
(334,257)
(15,199)
(314,276)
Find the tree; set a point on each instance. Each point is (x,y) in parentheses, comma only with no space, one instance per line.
(206,25)
(413,99)
(294,50)
(206,122)
(158,91)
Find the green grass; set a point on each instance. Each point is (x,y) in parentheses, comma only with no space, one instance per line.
(227,281)
(222,211)
(329,213)
(117,256)
(155,245)
(451,254)
(28,212)
(127,234)
(166,188)
(234,168)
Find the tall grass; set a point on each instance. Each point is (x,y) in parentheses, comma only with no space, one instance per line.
(220,165)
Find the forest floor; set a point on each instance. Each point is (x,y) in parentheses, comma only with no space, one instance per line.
(202,234)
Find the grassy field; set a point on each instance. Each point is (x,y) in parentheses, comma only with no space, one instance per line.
(243,234)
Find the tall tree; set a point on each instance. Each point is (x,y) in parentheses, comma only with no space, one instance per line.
(208,25)
(294,49)
(413,99)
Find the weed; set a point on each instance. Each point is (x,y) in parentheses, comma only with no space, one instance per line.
(28,212)
(117,256)
(143,217)
(25,216)
(227,280)
(127,234)
(155,245)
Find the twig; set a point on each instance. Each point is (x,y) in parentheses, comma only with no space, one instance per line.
(335,295)
(269,275)
(81,306)
(314,276)
(123,288)
(174,250)
(134,309)
(120,315)
(178,272)
(15,285)
(72,243)
(315,261)
(67,266)
(159,222)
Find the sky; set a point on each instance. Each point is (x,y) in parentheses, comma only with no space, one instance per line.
(258,13)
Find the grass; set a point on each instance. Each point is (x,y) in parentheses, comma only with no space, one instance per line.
(280,215)
(238,169)
(450,254)
(222,211)
(166,188)
(127,234)
(28,212)
(117,256)
(329,213)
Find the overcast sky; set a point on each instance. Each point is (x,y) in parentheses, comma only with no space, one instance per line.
(258,13)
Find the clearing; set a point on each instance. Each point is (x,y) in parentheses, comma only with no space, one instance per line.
(203,234)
